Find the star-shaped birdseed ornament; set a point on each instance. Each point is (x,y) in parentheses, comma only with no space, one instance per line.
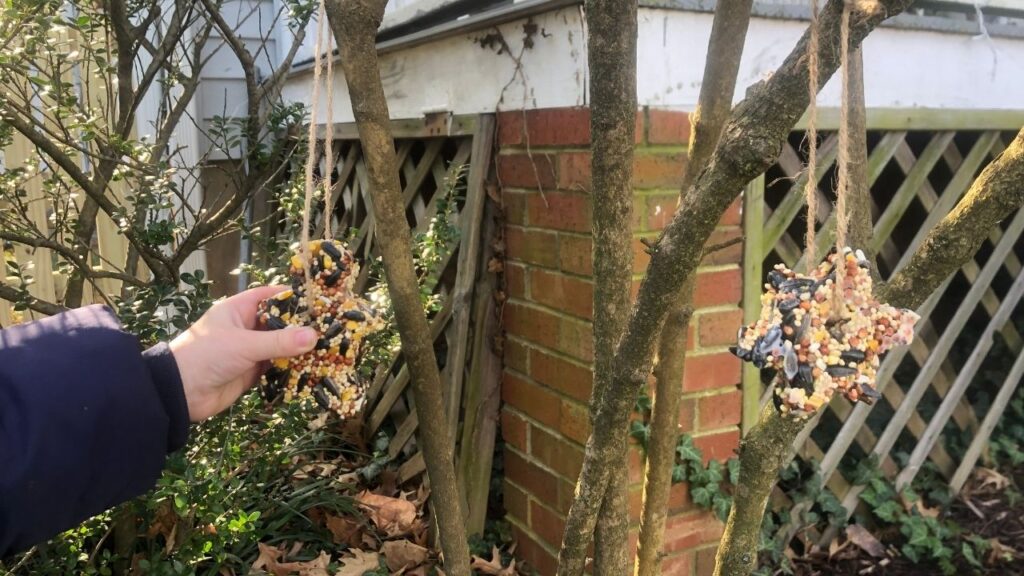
(818,345)
(328,372)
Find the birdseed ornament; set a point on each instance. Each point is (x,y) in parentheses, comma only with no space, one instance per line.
(822,340)
(327,304)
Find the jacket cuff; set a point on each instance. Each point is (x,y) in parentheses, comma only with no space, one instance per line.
(167,379)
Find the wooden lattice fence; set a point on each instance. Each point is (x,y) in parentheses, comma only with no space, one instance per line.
(942,396)
(433,155)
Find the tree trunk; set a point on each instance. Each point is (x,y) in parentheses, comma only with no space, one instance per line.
(355,24)
(611,41)
(728,35)
(763,452)
(751,142)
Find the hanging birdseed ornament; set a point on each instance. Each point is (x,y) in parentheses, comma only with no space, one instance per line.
(820,345)
(328,372)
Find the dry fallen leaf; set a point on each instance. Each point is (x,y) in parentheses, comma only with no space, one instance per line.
(345,531)
(493,566)
(1000,552)
(865,540)
(267,560)
(394,516)
(403,555)
(315,567)
(989,478)
(359,563)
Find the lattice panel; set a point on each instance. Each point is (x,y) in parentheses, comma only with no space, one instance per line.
(430,167)
(943,394)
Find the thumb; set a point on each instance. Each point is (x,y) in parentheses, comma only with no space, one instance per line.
(260,345)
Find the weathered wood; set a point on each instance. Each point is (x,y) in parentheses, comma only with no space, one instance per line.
(427,127)
(791,205)
(995,412)
(925,119)
(967,373)
(470,240)
(482,396)
(753,261)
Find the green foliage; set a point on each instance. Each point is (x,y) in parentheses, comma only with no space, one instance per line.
(709,485)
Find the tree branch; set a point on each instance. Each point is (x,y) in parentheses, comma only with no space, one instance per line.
(725,48)
(12,294)
(750,144)
(355,24)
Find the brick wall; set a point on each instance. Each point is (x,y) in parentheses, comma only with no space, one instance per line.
(544,170)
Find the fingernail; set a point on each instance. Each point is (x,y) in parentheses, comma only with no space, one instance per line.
(305,338)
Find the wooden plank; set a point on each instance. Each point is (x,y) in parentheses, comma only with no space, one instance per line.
(793,202)
(470,226)
(981,439)
(482,394)
(855,421)
(896,423)
(924,119)
(412,468)
(880,156)
(916,176)
(959,184)
(967,373)
(403,434)
(753,222)
(461,125)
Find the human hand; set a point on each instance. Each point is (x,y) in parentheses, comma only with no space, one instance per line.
(223,355)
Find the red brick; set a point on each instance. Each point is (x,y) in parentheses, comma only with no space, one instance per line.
(687,415)
(517,356)
(635,503)
(566,496)
(568,211)
(636,464)
(514,204)
(515,280)
(707,371)
(663,170)
(542,484)
(575,422)
(563,293)
(691,337)
(733,214)
(575,255)
(719,287)
(659,210)
(640,123)
(517,503)
(513,430)
(533,170)
(640,256)
(538,247)
(545,127)
(532,324)
(574,171)
(556,453)
(564,334)
(562,375)
(679,497)
(706,561)
(720,446)
(691,530)
(732,254)
(535,555)
(531,399)
(559,126)
(668,127)
(548,525)
(680,564)
(720,410)
(719,328)
(576,338)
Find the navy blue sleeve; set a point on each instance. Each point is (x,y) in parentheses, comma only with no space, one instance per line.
(87,419)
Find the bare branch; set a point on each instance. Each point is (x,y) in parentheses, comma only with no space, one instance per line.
(12,294)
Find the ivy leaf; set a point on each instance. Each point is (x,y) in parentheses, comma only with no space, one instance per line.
(678,474)
(733,464)
(722,506)
(701,497)
(687,451)
(888,511)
